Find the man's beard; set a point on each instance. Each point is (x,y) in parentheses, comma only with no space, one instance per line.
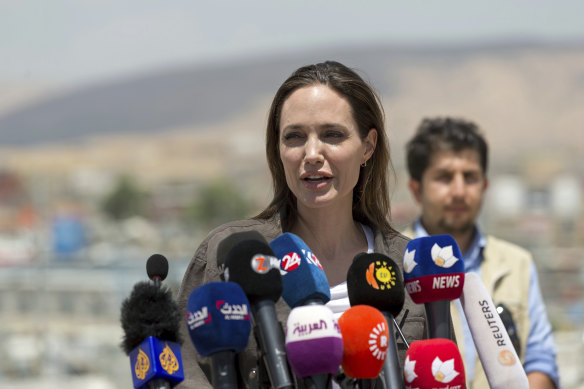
(456,228)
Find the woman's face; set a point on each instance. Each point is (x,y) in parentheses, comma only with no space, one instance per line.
(320,147)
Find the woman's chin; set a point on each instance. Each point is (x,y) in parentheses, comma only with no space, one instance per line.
(318,202)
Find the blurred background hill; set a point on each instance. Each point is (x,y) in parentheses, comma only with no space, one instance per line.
(151,148)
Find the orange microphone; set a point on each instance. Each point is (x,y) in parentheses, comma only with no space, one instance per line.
(365,341)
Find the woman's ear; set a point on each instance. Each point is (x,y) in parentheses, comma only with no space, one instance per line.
(370,142)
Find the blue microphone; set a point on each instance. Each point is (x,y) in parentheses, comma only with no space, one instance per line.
(219,324)
(303,279)
(150,319)
(434,275)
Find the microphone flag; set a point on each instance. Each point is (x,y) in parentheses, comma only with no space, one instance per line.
(434,364)
(303,278)
(433,269)
(314,344)
(155,358)
(218,318)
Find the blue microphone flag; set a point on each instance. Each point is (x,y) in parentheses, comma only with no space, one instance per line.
(218,318)
(303,277)
(156,359)
(433,269)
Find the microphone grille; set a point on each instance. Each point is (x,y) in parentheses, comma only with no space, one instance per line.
(157,267)
(374,279)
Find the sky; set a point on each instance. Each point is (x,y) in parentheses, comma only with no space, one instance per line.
(83,41)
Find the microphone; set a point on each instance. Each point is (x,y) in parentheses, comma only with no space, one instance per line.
(314,344)
(434,275)
(157,268)
(374,279)
(150,319)
(303,279)
(227,244)
(434,364)
(250,263)
(218,320)
(494,347)
(365,341)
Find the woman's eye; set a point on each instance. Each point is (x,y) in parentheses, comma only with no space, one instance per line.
(334,134)
(291,135)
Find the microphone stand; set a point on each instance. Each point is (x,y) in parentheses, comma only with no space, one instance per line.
(158,383)
(391,374)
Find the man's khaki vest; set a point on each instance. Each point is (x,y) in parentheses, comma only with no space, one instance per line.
(505,272)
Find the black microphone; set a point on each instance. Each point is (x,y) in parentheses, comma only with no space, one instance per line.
(150,319)
(251,263)
(227,244)
(374,279)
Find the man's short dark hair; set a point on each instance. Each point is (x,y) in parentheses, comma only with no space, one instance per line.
(443,134)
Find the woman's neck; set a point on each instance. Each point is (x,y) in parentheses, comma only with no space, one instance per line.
(335,238)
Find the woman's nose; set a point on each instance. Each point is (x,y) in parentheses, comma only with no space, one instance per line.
(313,150)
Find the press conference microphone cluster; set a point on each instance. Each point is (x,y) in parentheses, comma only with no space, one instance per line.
(150,319)
(314,347)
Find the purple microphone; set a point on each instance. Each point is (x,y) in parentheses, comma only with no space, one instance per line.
(314,344)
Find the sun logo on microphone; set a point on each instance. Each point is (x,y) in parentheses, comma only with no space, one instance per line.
(443,371)
(409,261)
(380,275)
(409,370)
(378,341)
(443,256)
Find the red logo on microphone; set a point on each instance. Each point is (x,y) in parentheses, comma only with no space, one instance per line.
(290,262)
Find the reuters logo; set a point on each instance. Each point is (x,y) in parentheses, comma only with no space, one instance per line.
(380,275)
(506,358)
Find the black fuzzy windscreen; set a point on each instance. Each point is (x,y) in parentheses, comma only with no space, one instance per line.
(149,311)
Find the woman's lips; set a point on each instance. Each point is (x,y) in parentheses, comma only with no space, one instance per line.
(316,181)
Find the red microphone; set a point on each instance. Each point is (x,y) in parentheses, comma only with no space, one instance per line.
(434,364)
(365,341)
